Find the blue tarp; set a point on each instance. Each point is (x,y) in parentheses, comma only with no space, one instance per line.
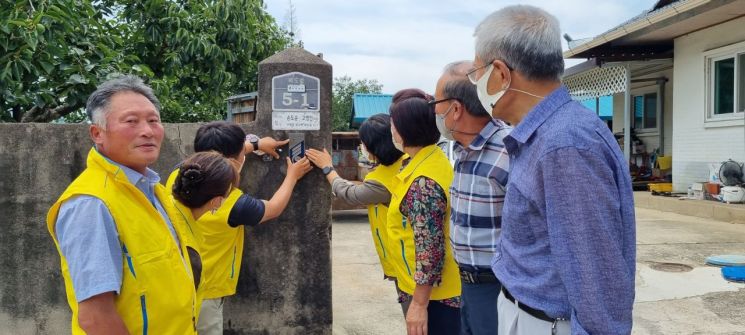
(606,106)
(365,105)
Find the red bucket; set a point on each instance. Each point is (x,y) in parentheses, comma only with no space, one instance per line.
(713,188)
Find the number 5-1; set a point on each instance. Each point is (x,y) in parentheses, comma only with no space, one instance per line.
(287,98)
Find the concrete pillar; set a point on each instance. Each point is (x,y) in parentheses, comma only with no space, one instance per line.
(285,282)
(627,114)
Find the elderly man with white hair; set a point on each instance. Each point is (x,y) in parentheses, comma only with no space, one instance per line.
(566,255)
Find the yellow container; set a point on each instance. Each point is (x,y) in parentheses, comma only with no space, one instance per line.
(665,162)
(661,187)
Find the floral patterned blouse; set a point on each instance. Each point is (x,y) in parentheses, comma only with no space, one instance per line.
(425,206)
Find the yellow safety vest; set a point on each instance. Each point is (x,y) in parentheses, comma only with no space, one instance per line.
(430,162)
(185,219)
(157,295)
(220,245)
(378,213)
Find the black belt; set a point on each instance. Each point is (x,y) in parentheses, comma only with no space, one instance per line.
(478,277)
(536,313)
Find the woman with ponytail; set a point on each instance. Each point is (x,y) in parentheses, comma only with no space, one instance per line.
(203,182)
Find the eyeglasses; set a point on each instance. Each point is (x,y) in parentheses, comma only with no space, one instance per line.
(434,102)
(472,73)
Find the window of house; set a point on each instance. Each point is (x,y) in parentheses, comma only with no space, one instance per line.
(726,83)
(645,111)
(724,86)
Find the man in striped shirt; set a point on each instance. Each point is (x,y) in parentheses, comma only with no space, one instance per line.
(477,193)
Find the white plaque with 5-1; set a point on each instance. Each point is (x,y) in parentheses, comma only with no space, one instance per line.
(296,102)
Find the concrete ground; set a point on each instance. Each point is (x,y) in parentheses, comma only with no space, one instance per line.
(686,297)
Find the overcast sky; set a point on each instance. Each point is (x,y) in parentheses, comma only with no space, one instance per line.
(403,43)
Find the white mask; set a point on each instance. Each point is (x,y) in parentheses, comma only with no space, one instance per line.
(440,121)
(364,152)
(488,100)
(398,146)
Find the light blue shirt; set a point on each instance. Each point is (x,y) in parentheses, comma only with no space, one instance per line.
(89,241)
(568,242)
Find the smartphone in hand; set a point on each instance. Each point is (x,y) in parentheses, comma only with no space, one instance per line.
(297,147)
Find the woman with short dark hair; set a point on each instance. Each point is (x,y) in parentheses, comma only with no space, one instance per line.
(428,276)
(375,191)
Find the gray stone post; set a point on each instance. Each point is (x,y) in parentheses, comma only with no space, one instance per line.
(285,279)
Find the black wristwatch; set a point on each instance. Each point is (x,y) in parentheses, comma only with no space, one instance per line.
(326,170)
(254,140)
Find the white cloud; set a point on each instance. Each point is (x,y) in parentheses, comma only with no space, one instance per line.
(406,43)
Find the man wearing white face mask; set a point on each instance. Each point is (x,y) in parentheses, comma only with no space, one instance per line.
(567,250)
(476,194)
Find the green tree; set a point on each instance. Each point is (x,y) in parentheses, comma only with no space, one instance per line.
(52,55)
(193,53)
(343,90)
(200,52)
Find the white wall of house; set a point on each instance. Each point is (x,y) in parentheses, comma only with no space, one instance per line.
(697,139)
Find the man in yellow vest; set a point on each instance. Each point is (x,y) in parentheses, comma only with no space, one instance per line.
(122,260)
(221,234)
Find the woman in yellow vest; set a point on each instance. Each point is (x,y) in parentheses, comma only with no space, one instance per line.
(376,190)
(221,234)
(418,219)
(202,184)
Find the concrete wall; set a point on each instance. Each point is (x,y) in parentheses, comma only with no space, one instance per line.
(696,141)
(285,280)
(714,210)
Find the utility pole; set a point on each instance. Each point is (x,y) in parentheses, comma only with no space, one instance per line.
(292,26)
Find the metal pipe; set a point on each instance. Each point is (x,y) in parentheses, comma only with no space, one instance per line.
(661,105)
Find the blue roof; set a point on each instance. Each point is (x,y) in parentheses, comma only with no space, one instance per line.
(365,105)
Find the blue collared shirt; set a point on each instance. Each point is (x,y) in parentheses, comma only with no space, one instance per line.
(92,250)
(477,195)
(568,241)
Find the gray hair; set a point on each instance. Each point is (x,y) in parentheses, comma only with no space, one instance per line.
(526,38)
(460,88)
(98,102)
